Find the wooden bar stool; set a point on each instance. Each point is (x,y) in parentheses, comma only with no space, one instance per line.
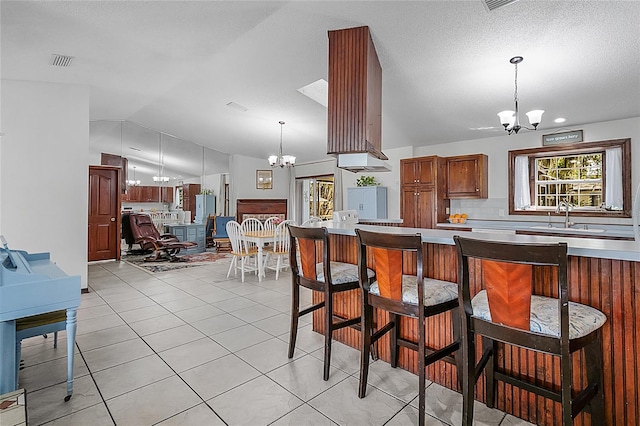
(328,277)
(507,311)
(403,295)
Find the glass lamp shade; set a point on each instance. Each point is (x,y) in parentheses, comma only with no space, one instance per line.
(535,117)
(507,118)
(288,160)
(273,160)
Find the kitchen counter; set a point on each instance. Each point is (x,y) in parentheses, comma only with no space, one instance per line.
(601,273)
(594,230)
(584,247)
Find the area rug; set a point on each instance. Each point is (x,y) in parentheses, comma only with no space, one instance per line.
(186,261)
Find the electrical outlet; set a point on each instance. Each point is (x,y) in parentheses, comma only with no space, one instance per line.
(501,212)
(446,210)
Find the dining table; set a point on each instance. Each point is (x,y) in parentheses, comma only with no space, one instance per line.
(260,238)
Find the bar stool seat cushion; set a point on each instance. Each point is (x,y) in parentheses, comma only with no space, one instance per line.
(341,272)
(435,291)
(583,319)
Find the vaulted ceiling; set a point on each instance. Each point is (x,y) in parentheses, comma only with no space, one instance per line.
(175,65)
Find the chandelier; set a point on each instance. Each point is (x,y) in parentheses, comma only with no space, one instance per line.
(510,119)
(282,160)
(134,181)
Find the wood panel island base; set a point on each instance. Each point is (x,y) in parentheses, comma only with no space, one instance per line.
(605,276)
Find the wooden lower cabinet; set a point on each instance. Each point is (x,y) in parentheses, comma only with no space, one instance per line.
(419,207)
(606,284)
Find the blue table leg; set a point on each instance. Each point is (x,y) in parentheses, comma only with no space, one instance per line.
(71,341)
(8,356)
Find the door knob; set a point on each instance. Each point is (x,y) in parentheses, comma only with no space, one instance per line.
(113,219)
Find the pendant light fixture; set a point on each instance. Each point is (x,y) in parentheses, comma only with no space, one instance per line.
(134,181)
(281,160)
(511,119)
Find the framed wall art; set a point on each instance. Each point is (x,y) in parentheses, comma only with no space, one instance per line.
(264,179)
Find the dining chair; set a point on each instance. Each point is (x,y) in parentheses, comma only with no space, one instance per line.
(271,223)
(278,251)
(209,231)
(314,270)
(219,236)
(403,295)
(505,309)
(251,224)
(311,220)
(241,251)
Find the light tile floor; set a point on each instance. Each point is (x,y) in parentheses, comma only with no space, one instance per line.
(190,347)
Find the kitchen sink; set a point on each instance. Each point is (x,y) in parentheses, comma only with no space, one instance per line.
(569,230)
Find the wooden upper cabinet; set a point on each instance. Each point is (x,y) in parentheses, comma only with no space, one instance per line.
(419,171)
(167,194)
(354,111)
(149,194)
(467,176)
(118,161)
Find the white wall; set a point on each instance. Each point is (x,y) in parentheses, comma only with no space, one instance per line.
(242,170)
(389,179)
(497,149)
(44,171)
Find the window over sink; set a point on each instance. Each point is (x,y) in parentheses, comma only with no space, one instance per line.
(594,177)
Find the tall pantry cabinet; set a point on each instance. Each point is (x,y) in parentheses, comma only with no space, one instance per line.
(423,190)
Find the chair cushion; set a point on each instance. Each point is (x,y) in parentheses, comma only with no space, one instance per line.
(341,272)
(583,319)
(435,291)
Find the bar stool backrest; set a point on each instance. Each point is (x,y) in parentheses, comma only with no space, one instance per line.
(309,246)
(388,251)
(508,276)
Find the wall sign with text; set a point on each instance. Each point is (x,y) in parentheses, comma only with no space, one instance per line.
(561,138)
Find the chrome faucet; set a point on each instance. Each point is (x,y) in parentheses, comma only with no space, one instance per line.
(567,207)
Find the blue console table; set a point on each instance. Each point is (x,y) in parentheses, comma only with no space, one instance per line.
(31,284)
(193,232)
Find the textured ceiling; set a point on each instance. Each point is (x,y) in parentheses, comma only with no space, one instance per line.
(173,66)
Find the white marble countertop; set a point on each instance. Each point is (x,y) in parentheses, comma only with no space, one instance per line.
(601,230)
(586,247)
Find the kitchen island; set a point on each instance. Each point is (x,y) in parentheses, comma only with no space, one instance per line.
(604,274)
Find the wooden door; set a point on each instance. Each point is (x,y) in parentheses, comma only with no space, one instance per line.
(104,213)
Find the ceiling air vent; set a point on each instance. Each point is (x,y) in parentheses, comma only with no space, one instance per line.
(61,60)
(495,4)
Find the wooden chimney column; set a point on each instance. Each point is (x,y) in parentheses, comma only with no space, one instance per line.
(355,94)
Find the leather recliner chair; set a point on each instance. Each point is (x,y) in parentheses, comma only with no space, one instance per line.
(146,234)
